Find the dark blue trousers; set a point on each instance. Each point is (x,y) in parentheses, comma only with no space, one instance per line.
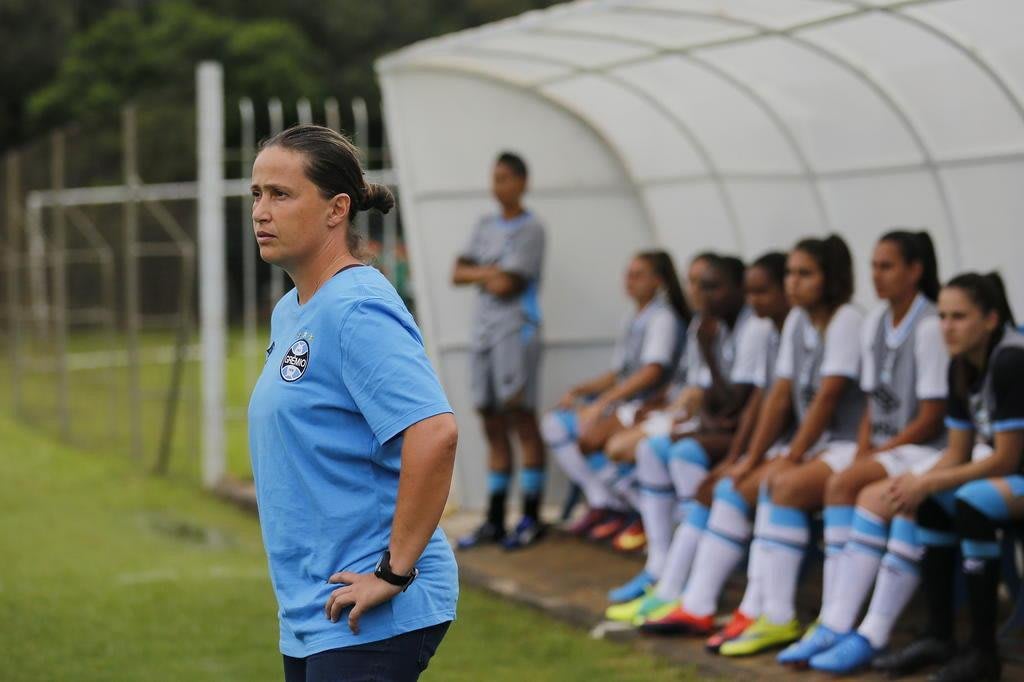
(399,659)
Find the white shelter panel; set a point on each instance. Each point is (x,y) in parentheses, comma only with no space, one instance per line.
(989,208)
(581,52)
(729,117)
(453,126)
(518,71)
(650,143)
(775,214)
(689,217)
(990,28)
(776,14)
(866,207)
(962,113)
(839,119)
(659,29)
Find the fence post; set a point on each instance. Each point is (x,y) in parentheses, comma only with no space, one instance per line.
(58,262)
(14,316)
(212,269)
(130,163)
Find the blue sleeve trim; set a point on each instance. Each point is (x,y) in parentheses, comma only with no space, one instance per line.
(959,424)
(1008,425)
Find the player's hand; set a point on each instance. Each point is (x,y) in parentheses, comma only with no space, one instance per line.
(739,471)
(361,591)
(567,401)
(706,332)
(907,492)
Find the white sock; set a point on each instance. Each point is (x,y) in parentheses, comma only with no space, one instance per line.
(753,597)
(720,550)
(681,552)
(838,520)
(786,535)
(897,580)
(607,476)
(688,466)
(627,488)
(858,567)
(657,503)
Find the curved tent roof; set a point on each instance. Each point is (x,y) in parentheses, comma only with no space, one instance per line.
(734,125)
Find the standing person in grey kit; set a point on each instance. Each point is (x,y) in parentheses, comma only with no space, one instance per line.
(503,260)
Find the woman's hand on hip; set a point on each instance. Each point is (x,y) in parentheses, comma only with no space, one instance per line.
(361,591)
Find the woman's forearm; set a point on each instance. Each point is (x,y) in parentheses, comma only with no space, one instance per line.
(645,377)
(428,459)
(1003,462)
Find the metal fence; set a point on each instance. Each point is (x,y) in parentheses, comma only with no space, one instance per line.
(106,271)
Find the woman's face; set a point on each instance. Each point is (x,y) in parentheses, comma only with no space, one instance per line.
(641,281)
(766,297)
(965,327)
(290,217)
(697,272)
(805,281)
(893,277)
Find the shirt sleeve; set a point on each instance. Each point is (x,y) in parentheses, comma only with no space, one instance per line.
(751,346)
(524,253)
(660,340)
(843,344)
(958,414)
(932,360)
(784,362)
(385,368)
(867,350)
(1008,386)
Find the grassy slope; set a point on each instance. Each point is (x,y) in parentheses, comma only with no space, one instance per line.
(106,574)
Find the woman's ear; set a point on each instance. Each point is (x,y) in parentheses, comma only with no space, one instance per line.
(340,207)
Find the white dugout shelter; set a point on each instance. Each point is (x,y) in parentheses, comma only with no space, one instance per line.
(731,125)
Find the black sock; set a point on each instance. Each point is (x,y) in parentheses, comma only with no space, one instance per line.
(531,506)
(496,510)
(938,568)
(983,595)
(981,568)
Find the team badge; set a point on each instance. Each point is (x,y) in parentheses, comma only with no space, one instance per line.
(295,361)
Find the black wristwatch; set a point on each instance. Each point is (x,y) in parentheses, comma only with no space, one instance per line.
(383,571)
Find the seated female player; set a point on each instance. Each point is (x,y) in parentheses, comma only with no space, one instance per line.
(650,347)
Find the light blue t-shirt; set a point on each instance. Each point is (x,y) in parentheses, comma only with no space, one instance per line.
(345,375)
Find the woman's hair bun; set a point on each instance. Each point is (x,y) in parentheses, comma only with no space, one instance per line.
(377,197)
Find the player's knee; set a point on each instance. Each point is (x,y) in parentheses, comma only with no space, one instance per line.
(690,450)
(785,488)
(555,427)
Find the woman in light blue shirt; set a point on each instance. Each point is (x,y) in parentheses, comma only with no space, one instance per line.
(351,436)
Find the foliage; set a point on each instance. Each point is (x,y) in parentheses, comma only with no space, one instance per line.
(67,60)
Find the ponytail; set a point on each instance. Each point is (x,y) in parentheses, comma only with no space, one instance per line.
(665,269)
(833,257)
(917,247)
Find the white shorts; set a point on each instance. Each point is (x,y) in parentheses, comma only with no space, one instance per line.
(775,451)
(626,412)
(902,459)
(658,423)
(838,455)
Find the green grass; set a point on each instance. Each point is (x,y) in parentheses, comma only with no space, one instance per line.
(109,574)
